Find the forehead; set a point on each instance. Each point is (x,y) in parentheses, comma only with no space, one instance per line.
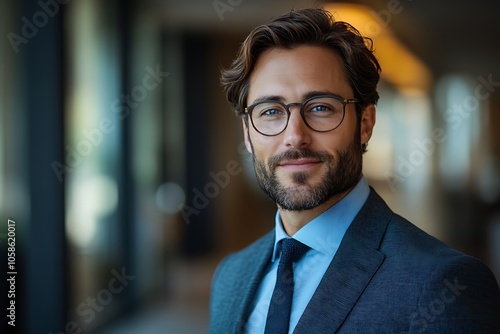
(293,73)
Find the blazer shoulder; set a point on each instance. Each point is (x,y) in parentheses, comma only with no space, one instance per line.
(235,262)
(404,239)
(460,293)
(407,246)
(446,289)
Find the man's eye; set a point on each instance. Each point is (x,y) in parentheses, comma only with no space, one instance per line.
(268,109)
(321,109)
(272,112)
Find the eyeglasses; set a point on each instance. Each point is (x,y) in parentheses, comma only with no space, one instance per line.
(321,113)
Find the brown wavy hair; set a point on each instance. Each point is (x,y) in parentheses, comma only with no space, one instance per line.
(314,27)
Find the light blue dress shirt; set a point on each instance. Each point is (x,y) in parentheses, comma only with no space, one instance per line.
(323,235)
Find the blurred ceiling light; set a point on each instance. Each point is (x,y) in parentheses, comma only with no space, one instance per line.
(400,66)
(170,197)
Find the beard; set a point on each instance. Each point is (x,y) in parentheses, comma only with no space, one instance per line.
(342,173)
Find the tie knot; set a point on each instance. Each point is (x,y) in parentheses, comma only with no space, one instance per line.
(292,250)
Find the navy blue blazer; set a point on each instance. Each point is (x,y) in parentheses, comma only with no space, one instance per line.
(387,276)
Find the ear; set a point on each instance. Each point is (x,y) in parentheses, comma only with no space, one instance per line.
(246,134)
(367,123)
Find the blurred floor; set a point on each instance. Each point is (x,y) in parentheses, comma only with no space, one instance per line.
(169,318)
(186,308)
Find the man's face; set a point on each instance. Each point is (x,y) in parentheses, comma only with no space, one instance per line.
(300,168)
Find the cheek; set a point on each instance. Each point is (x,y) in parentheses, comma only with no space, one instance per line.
(346,133)
(332,142)
(263,145)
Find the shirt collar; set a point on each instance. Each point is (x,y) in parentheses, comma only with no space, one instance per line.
(325,232)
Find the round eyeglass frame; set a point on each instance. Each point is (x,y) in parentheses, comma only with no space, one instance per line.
(250,108)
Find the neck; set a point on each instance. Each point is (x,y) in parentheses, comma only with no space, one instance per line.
(293,221)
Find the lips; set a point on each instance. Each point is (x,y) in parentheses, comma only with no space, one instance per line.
(299,164)
(297,159)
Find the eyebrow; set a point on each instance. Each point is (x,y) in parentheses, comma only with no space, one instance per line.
(280,98)
(269,98)
(317,93)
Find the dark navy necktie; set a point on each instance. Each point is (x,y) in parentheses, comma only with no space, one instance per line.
(278,316)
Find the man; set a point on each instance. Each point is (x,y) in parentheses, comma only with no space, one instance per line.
(339,260)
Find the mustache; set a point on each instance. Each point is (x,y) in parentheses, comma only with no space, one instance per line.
(277,159)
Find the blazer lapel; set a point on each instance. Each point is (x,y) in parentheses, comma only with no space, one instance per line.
(250,278)
(350,271)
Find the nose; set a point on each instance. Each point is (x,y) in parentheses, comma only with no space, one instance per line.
(297,134)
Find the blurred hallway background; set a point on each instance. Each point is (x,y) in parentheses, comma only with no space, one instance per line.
(124,170)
